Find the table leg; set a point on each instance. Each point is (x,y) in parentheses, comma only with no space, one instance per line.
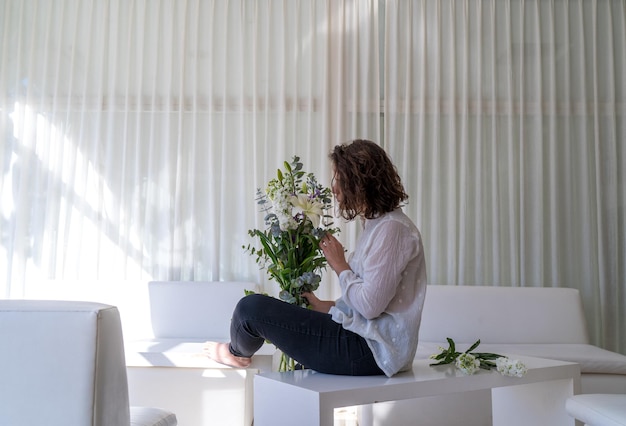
(278,404)
(540,403)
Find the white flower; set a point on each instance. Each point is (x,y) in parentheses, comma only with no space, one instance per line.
(282,208)
(310,207)
(510,367)
(467,363)
(286,222)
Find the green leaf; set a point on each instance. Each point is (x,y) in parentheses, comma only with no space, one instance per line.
(474,346)
(486,355)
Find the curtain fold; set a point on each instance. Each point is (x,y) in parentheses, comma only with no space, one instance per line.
(508,121)
(135,134)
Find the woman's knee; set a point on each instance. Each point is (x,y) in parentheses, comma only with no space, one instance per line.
(251,305)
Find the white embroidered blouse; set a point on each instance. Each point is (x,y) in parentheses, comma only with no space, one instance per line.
(383,294)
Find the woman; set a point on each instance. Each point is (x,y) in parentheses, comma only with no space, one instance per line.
(373,327)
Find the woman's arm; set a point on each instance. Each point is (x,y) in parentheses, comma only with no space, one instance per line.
(389,248)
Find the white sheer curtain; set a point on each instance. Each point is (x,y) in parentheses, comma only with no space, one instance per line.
(508,119)
(135,133)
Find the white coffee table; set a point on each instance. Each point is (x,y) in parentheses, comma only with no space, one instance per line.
(309,398)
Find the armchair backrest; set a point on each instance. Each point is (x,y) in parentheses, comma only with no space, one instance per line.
(62,363)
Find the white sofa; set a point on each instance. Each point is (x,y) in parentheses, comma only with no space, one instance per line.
(540,322)
(167,369)
(62,363)
(544,322)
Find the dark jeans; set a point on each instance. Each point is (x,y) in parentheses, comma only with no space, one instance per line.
(311,338)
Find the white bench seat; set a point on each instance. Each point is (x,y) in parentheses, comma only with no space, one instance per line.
(598,409)
(186,353)
(148,416)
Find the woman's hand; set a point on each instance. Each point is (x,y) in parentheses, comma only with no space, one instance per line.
(334,253)
(316,304)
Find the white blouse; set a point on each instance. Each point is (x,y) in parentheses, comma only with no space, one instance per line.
(383,294)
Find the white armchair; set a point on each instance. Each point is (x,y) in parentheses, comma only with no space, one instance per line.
(63,363)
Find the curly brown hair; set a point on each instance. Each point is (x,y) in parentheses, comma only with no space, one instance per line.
(368,180)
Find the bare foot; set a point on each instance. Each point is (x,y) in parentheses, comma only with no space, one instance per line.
(219,352)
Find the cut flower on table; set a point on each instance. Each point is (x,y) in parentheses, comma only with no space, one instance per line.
(470,362)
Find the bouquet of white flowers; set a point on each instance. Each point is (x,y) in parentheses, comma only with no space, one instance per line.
(296,210)
(296,218)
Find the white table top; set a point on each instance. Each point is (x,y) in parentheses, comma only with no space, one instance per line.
(340,390)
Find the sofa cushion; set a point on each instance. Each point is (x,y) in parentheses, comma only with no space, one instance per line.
(148,416)
(503,314)
(186,353)
(194,309)
(598,409)
(592,359)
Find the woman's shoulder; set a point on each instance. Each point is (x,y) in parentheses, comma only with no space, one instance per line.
(396,221)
